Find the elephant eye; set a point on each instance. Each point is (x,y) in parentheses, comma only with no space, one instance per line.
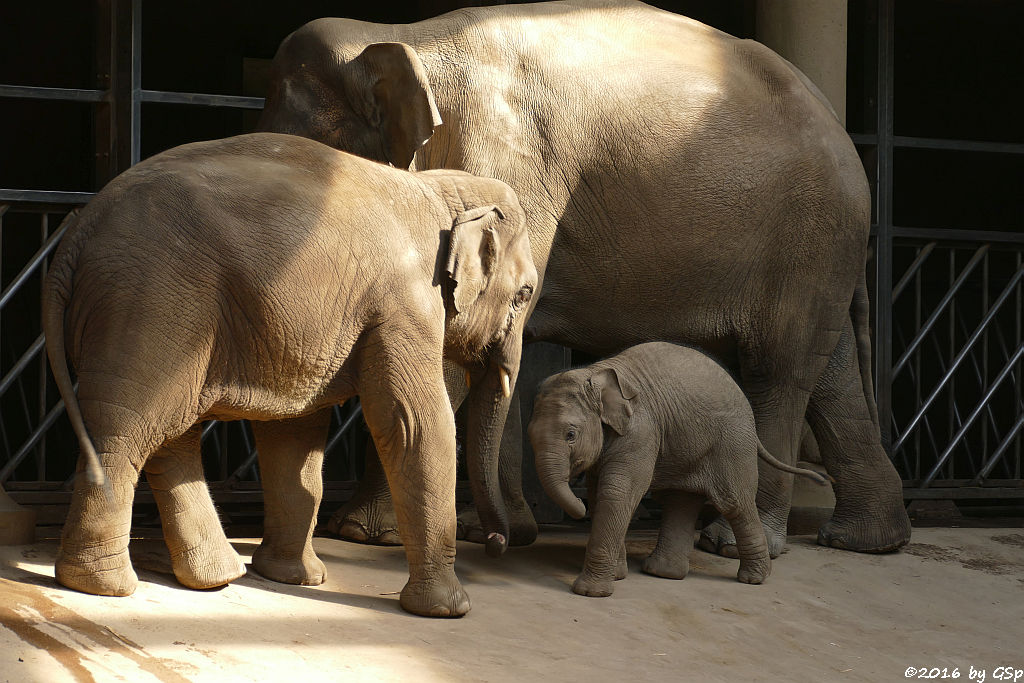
(570,435)
(522,297)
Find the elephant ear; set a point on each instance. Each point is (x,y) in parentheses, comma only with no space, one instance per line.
(615,396)
(397,99)
(472,253)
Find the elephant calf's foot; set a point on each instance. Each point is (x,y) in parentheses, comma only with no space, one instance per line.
(867,536)
(522,527)
(203,567)
(754,570)
(666,567)
(437,597)
(366,520)
(105,575)
(592,587)
(718,538)
(305,570)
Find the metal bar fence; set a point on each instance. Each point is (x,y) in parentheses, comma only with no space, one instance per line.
(950,404)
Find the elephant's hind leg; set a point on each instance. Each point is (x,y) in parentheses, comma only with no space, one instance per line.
(93,555)
(671,556)
(291,456)
(751,543)
(200,553)
(869,515)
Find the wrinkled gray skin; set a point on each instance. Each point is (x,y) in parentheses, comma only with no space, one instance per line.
(679,184)
(662,417)
(268,277)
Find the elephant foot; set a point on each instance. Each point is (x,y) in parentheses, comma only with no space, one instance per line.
(591,587)
(437,597)
(201,568)
(755,570)
(522,527)
(305,570)
(668,568)
(718,538)
(366,520)
(621,568)
(874,536)
(105,575)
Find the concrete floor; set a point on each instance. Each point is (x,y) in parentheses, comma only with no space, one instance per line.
(954,598)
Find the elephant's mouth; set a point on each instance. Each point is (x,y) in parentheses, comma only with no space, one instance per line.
(505,379)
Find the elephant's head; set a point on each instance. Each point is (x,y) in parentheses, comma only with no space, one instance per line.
(375,103)
(570,414)
(488,278)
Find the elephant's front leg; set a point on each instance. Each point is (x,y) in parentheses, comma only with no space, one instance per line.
(200,553)
(369,516)
(620,488)
(593,479)
(291,454)
(413,426)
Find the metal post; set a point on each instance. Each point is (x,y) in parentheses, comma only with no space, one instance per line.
(135,117)
(883,245)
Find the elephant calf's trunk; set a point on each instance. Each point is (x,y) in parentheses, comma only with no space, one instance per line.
(553,471)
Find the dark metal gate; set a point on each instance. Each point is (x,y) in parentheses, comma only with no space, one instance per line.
(947,311)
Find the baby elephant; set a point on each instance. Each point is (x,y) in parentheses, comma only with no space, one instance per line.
(677,424)
(271,277)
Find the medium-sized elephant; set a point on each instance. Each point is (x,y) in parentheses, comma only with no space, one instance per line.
(662,417)
(269,277)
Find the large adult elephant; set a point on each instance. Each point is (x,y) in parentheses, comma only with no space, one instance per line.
(679,184)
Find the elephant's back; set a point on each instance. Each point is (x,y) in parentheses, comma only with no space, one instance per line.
(671,374)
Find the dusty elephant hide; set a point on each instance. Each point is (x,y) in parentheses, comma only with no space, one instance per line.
(270,277)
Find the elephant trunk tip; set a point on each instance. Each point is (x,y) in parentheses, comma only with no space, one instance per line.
(577,510)
(496,545)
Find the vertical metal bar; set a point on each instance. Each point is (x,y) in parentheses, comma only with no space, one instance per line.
(916,474)
(984,360)
(951,423)
(104,121)
(135,117)
(44,234)
(883,245)
(3,424)
(1016,371)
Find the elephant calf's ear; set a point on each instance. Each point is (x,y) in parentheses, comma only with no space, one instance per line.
(472,253)
(616,410)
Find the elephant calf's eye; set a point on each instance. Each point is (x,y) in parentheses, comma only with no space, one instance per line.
(570,435)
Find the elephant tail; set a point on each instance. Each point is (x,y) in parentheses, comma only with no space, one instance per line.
(55,302)
(860,313)
(763,453)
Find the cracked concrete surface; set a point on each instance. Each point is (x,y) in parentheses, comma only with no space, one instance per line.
(953,598)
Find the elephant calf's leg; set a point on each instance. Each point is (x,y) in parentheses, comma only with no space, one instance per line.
(200,553)
(369,516)
(751,544)
(671,556)
(291,456)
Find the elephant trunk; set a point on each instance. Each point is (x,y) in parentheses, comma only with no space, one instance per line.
(553,472)
(489,401)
